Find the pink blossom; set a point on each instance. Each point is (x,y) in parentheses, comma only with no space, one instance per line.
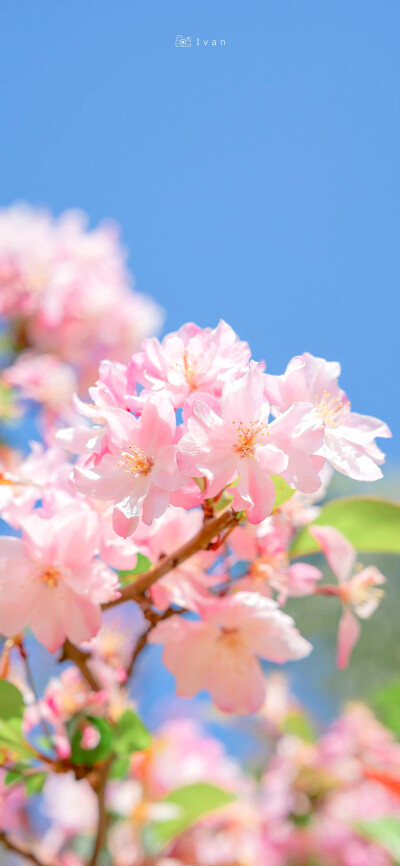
(175,528)
(219,653)
(140,470)
(69,288)
(30,479)
(43,378)
(348,443)
(191,359)
(232,445)
(51,580)
(265,547)
(358,590)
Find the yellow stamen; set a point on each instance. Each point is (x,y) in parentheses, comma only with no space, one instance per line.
(250,435)
(135,461)
(329,408)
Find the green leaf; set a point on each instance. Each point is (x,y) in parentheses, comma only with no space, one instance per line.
(383,831)
(372,525)
(282,491)
(11,777)
(386,703)
(297,725)
(103,749)
(12,740)
(11,701)
(193,801)
(34,783)
(130,734)
(119,768)
(143,564)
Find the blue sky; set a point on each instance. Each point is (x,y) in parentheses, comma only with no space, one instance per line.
(256,181)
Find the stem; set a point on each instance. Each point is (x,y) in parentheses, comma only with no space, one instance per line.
(153,618)
(80,659)
(211,528)
(102,820)
(23,850)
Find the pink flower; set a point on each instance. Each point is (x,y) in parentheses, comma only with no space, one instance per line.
(348,443)
(358,590)
(232,445)
(43,378)
(191,359)
(51,580)
(219,653)
(175,528)
(69,288)
(266,550)
(140,470)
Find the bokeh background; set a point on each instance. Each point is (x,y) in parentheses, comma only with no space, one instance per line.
(256,181)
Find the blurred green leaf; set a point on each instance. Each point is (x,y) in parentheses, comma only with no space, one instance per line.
(11,701)
(130,734)
(12,740)
(101,752)
(34,783)
(298,725)
(282,491)
(192,801)
(386,704)
(383,831)
(119,768)
(11,777)
(372,525)
(143,564)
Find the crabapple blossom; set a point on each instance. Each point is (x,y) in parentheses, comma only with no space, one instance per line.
(233,446)
(67,289)
(191,359)
(219,652)
(175,528)
(359,590)
(139,471)
(266,548)
(51,579)
(349,438)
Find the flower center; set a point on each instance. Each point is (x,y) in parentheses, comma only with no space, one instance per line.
(50,576)
(231,638)
(135,461)
(329,408)
(266,565)
(249,436)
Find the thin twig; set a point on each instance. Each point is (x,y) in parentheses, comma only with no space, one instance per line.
(212,527)
(80,659)
(153,618)
(23,850)
(102,819)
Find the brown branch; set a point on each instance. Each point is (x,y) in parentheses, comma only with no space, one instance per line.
(102,819)
(153,618)
(211,528)
(80,659)
(23,851)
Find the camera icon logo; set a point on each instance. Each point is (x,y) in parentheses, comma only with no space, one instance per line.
(183,42)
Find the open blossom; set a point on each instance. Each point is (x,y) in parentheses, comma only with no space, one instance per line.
(69,288)
(139,471)
(359,590)
(220,652)
(232,445)
(191,359)
(349,438)
(175,528)
(265,548)
(51,579)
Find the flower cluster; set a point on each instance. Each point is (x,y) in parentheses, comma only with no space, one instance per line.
(181,508)
(65,292)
